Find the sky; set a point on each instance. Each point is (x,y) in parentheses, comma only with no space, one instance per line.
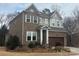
(65,8)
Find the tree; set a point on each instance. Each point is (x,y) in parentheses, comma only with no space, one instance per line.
(4,25)
(55,7)
(3,33)
(9,17)
(12,43)
(69,25)
(76,16)
(46,11)
(1,20)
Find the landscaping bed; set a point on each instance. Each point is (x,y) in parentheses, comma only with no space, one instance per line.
(35,52)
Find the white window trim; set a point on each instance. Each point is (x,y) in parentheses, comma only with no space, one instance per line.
(36,36)
(30,18)
(27,18)
(36,19)
(40,21)
(31,35)
(33,19)
(27,36)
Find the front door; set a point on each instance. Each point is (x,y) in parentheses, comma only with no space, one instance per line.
(44,36)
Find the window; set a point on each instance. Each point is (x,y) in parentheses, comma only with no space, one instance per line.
(40,19)
(28,36)
(53,24)
(62,23)
(32,10)
(46,21)
(31,36)
(58,23)
(34,35)
(35,19)
(27,18)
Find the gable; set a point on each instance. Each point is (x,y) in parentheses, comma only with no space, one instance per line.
(56,15)
(32,8)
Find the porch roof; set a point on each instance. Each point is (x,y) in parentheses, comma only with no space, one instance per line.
(52,28)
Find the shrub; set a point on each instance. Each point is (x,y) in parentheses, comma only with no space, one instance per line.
(34,44)
(67,49)
(31,45)
(37,44)
(12,43)
(58,49)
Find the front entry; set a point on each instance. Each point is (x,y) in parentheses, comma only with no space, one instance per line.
(44,36)
(56,41)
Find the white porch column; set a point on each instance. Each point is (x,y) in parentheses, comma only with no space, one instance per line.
(41,36)
(47,36)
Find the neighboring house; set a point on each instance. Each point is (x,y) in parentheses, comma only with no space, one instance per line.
(32,25)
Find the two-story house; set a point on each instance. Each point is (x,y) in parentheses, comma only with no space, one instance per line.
(33,25)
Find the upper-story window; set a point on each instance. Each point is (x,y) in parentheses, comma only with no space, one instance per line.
(58,23)
(53,24)
(27,18)
(32,10)
(46,21)
(31,18)
(35,19)
(40,21)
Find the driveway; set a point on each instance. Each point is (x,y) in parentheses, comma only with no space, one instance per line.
(74,50)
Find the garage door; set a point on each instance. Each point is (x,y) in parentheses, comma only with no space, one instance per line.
(53,41)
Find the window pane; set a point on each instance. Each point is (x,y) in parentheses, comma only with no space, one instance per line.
(28,18)
(31,18)
(57,24)
(53,24)
(28,35)
(29,38)
(35,19)
(57,21)
(34,35)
